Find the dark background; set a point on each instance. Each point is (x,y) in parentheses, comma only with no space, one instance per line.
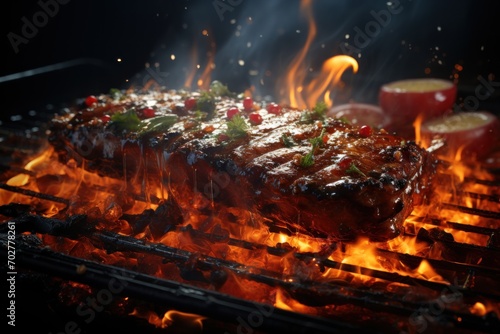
(85,38)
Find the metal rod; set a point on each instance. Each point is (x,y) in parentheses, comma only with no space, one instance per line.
(472,211)
(444,265)
(454,225)
(482,197)
(468,179)
(32,193)
(52,68)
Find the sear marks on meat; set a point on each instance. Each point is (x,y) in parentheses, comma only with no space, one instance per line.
(321,175)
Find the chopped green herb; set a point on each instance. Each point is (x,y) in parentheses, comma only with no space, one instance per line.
(288,140)
(320,110)
(200,115)
(206,103)
(236,127)
(127,121)
(317,114)
(353,169)
(307,160)
(157,124)
(317,141)
(115,93)
(305,117)
(219,89)
(343,119)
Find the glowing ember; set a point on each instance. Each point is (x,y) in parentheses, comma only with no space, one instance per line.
(173,319)
(284,302)
(478,309)
(428,272)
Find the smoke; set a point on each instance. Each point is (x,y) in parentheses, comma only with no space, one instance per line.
(253,42)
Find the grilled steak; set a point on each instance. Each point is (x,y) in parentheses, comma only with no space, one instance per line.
(293,166)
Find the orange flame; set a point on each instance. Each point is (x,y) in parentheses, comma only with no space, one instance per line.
(364,254)
(306,95)
(21,179)
(190,77)
(172,318)
(283,301)
(426,270)
(417,124)
(204,79)
(478,309)
(300,242)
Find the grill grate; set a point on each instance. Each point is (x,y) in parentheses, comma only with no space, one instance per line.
(209,303)
(403,303)
(75,227)
(185,297)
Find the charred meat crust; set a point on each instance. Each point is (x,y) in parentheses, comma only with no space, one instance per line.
(370,196)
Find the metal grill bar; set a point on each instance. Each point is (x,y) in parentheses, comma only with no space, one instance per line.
(72,226)
(65,266)
(32,193)
(490,183)
(454,225)
(472,211)
(482,197)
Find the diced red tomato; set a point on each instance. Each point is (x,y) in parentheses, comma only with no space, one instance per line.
(345,163)
(148,112)
(90,100)
(231,112)
(255,118)
(365,131)
(273,108)
(190,103)
(105,118)
(247,103)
